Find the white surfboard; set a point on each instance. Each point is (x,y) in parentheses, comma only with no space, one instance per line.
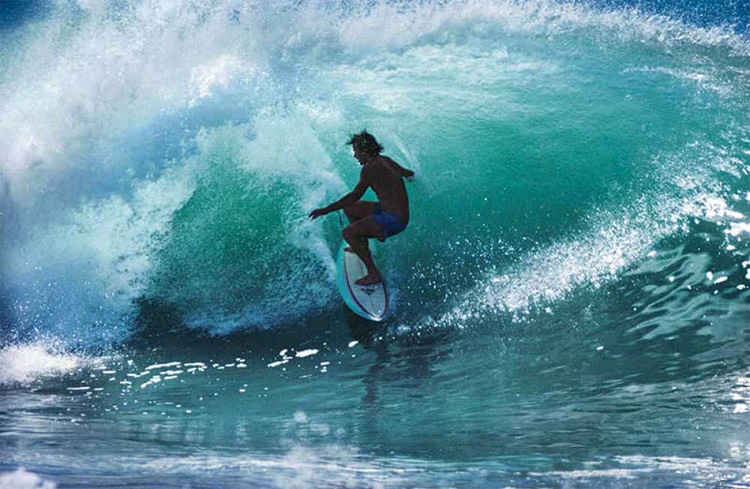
(368,301)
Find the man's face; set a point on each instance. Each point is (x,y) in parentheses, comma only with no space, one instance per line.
(358,154)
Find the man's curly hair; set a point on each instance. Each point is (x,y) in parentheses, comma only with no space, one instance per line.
(366,142)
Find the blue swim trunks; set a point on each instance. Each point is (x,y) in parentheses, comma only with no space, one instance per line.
(392,223)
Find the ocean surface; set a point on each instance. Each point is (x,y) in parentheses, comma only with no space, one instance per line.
(571,301)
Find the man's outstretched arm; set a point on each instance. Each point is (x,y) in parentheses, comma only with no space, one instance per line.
(403,172)
(346,200)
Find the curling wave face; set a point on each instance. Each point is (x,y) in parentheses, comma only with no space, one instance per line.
(165,156)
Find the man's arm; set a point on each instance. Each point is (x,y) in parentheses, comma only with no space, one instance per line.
(403,172)
(348,199)
(406,173)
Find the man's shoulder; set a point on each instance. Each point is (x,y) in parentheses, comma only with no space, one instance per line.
(383,159)
(376,165)
(382,163)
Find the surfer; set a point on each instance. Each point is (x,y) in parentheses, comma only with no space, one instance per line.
(381,220)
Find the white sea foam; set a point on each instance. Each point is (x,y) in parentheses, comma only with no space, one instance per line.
(550,273)
(23,364)
(306,353)
(22,479)
(86,271)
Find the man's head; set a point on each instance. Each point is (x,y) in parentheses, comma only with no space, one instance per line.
(366,147)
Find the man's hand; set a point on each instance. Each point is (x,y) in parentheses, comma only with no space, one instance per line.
(317,213)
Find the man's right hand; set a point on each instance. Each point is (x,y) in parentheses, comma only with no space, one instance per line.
(317,213)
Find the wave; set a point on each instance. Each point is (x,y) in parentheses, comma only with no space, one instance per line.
(170,153)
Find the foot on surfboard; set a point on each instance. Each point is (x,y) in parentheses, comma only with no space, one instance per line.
(370,279)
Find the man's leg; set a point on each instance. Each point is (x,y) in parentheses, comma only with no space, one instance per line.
(360,210)
(356,234)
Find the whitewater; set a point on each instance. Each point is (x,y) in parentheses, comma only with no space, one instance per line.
(571,300)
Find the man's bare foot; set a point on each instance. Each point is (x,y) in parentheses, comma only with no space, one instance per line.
(369,279)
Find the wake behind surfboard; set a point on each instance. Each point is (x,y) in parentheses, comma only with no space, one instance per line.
(369,301)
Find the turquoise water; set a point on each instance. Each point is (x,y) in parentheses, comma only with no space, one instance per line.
(571,302)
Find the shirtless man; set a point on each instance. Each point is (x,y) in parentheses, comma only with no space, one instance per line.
(383,219)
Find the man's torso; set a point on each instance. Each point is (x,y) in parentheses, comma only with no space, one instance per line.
(386,182)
